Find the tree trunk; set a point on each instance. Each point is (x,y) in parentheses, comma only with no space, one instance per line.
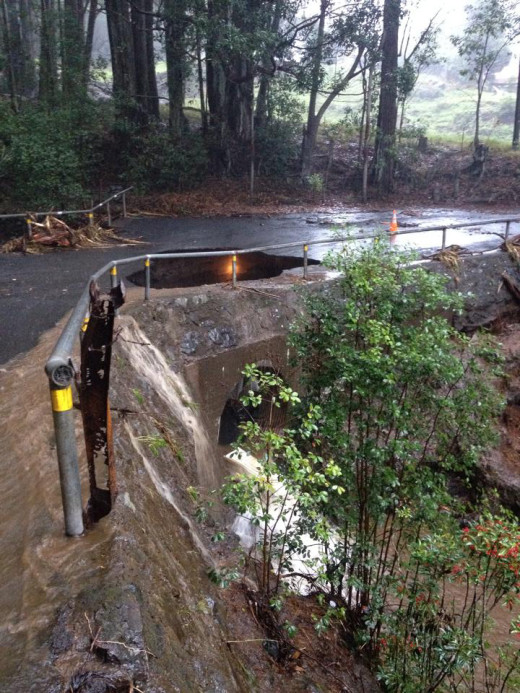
(516,125)
(153,94)
(366,137)
(175,48)
(387,116)
(73,51)
(8,48)
(48,80)
(27,82)
(200,77)
(145,81)
(122,55)
(311,131)
(89,40)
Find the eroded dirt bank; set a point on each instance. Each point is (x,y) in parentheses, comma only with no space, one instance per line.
(131,604)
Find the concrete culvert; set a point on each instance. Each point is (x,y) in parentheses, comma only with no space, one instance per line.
(196,271)
(235,412)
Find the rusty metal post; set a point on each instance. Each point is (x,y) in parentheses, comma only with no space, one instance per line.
(234,270)
(109,214)
(444,230)
(147,279)
(305,260)
(63,415)
(508,224)
(124,204)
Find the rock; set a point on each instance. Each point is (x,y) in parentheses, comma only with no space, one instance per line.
(223,336)
(190,342)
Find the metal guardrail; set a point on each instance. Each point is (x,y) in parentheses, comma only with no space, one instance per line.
(28,216)
(60,369)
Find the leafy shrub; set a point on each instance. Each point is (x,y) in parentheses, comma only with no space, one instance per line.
(159,163)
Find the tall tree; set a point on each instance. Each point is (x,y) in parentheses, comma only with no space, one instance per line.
(490,28)
(48,78)
(516,124)
(175,44)
(73,50)
(145,79)
(384,159)
(349,35)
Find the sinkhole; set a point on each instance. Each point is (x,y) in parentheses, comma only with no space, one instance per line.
(196,271)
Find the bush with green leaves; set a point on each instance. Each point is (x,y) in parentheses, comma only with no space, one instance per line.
(395,405)
(158,163)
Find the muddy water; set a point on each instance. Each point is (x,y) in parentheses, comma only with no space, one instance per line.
(39,568)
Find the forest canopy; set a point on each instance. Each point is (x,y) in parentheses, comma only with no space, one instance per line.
(164,93)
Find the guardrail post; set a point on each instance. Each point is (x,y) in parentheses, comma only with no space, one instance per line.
(62,413)
(305,260)
(147,279)
(109,214)
(29,228)
(444,230)
(90,217)
(508,224)
(124,204)
(113,277)
(234,270)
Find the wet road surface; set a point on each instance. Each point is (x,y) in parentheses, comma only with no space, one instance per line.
(37,290)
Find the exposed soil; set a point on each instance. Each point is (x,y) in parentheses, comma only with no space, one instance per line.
(441,175)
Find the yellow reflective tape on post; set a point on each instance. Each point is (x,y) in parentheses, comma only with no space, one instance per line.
(61,399)
(234,258)
(85,324)
(147,263)
(306,248)
(113,271)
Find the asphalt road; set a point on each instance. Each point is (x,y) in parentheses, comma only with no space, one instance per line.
(37,290)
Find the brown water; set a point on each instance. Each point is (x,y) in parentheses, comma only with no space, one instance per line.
(40,568)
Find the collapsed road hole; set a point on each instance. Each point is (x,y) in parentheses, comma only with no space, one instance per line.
(234,412)
(196,271)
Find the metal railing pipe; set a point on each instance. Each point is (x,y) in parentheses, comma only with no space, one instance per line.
(62,212)
(60,370)
(70,482)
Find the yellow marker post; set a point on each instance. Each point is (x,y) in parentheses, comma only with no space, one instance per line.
(147,279)
(234,270)
(90,217)
(113,276)
(61,399)
(305,260)
(64,429)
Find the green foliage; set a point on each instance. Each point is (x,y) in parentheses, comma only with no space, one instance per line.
(156,443)
(396,404)
(40,167)
(155,162)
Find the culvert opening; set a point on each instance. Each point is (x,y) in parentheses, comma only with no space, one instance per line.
(195,271)
(235,412)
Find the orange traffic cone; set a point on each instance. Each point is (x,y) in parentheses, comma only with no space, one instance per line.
(393,227)
(393,223)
